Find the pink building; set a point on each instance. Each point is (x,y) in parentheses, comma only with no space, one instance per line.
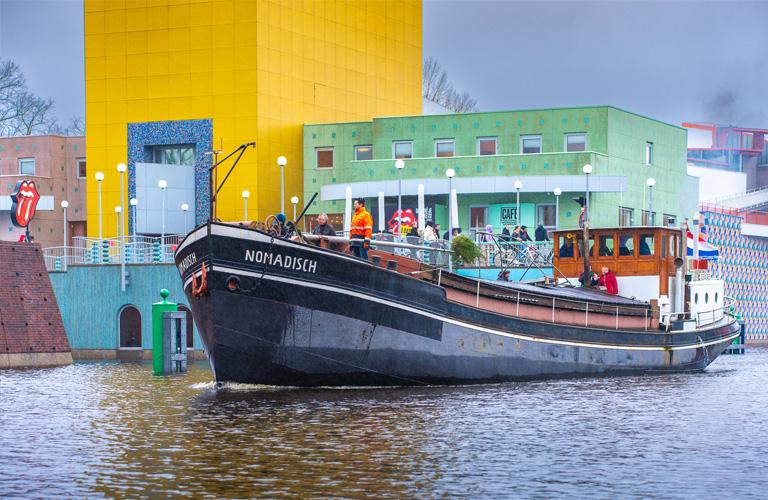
(57,165)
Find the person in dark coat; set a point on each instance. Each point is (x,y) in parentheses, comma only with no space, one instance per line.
(505,234)
(524,236)
(541,233)
(594,279)
(323,228)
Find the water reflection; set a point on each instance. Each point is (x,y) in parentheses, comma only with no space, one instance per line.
(114,430)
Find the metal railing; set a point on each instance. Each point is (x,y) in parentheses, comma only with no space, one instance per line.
(729,305)
(128,250)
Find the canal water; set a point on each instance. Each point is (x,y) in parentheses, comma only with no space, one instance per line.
(114,430)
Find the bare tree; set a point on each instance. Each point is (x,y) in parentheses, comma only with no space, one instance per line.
(437,87)
(75,126)
(21,112)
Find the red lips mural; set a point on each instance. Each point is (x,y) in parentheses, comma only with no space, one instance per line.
(25,198)
(407,220)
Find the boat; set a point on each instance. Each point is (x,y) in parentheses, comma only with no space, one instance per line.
(281,312)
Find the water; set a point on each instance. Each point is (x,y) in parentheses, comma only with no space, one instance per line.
(114,430)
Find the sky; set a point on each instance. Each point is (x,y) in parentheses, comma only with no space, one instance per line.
(675,60)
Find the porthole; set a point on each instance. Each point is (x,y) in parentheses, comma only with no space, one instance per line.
(696,298)
(706,298)
(233,283)
(715,297)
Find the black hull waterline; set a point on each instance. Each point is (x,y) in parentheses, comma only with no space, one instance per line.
(283,313)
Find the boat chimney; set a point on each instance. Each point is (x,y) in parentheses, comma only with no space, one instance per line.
(678,303)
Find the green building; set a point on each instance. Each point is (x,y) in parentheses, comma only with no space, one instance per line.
(543,149)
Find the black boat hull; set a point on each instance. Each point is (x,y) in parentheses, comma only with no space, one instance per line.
(302,323)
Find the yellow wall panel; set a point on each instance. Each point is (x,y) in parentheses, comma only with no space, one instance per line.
(258,68)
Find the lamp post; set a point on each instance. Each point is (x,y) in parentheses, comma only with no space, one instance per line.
(121,169)
(650,182)
(99,177)
(64,205)
(557,193)
(245,194)
(185,209)
(162,185)
(518,187)
(282,161)
(450,173)
(587,169)
(399,165)
(294,201)
(121,249)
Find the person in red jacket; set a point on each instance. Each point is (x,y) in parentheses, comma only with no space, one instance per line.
(608,280)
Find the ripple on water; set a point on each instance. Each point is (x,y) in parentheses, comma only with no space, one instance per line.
(115,430)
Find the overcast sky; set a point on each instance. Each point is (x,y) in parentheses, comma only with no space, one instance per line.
(674,60)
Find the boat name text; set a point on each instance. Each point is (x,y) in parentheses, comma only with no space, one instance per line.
(186,262)
(280,260)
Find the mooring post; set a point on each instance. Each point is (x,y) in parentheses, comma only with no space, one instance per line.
(158,308)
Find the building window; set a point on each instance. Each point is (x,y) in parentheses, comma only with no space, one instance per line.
(81,171)
(626,216)
(444,148)
(545,215)
(478,218)
(402,149)
(649,153)
(486,146)
(27,166)
(530,144)
(649,218)
(177,154)
(670,220)
(364,152)
(324,157)
(575,142)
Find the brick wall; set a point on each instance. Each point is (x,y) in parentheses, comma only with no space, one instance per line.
(31,329)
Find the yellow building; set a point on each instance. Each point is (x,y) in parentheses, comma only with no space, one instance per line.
(169,80)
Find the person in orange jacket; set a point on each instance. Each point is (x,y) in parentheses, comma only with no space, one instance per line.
(361,229)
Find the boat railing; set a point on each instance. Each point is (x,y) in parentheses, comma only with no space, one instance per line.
(701,317)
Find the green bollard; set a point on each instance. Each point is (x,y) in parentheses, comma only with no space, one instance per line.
(158,308)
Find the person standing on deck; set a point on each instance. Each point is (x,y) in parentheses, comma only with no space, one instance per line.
(608,280)
(323,227)
(361,230)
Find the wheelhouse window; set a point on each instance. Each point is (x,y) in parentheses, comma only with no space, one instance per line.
(565,247)
(606,246)
(179,154)
(646,246)
(324,157)
(27,166)
(530,144)
(402,149)
(576,142)
(626,245)
(649,153)
(364,152)
(486,146)
(81,170)
(444,148)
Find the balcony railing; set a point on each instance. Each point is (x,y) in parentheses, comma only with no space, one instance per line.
(129,250)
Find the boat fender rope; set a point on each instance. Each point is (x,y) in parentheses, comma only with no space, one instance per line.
(199,291)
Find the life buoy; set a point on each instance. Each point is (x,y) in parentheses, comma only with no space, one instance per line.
(203,288)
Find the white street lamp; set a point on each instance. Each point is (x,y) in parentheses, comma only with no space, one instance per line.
(450,173)
(282,161)
(121,168)
(99,177)
(294,201)
(557,192)
(185,209)
(399,165)
(650,182)
(587,169)
(245,194)
(518,186)
(64,205)
(162,185)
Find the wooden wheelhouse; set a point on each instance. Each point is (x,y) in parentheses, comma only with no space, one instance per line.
(627,251)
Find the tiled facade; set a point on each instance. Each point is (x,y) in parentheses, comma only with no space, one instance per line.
(256,69)
(743,264)
(56,176)
(615,146)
